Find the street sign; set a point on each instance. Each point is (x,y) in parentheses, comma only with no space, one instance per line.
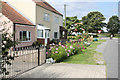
(99,31)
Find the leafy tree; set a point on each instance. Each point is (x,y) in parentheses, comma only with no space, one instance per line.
(93,21)
(113,24)
(70,21)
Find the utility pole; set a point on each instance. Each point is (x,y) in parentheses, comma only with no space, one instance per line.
(65,13)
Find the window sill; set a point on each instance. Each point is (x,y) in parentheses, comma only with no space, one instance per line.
(40,37)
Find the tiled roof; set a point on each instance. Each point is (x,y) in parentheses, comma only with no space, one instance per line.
(13,15)
(45,5)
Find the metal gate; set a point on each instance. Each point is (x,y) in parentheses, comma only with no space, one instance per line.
(25,58)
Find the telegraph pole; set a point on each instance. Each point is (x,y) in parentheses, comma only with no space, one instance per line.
(65,13)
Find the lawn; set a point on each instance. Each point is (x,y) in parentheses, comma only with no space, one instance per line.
(88,56)
(108,35)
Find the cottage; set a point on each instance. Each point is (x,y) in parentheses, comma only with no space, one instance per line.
(24,29)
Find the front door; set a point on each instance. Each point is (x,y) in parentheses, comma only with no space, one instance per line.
(45,38)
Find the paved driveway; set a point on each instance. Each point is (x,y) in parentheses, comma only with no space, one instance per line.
(60,70)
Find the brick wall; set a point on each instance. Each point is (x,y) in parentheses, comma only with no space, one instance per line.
(42,41)
(25,28)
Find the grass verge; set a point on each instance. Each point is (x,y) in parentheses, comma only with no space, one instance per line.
(88,56)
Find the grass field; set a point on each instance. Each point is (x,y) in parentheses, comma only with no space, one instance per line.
(108,35)
(88,56)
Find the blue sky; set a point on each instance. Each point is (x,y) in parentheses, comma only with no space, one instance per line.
(79,8)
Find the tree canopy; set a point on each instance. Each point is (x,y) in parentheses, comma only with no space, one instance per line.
(113,24)
(93,21)
(70,21)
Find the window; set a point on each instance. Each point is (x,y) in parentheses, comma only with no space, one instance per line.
(56,20)
(25,36)
(46,17)
(40,33)
(55,34)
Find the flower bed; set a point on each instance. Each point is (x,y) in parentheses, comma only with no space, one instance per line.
(61,52)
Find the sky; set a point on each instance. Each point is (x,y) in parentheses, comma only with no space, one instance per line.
(81,8)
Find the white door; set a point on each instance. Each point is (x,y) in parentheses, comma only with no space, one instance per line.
(45,38)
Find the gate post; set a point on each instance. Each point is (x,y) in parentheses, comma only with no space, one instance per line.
(38,56)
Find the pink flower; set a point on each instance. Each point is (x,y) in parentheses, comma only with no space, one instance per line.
(68,50)
(79,39)
(83,48)
(49,49)
(63,46)
(65,49)
(56,51)
(46,52)
(73,48)
(66,46)
(56,48)
(68,54)
(60,44)
(80,47)
(56,45)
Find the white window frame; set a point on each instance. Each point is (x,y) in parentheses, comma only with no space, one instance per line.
(27,35)
(40,34)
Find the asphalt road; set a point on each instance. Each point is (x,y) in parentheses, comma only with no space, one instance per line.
(110,54)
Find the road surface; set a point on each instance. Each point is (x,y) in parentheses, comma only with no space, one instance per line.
(110,54)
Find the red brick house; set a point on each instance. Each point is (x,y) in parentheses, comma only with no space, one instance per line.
(25,30)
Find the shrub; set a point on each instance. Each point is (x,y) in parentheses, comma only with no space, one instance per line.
(62,52)
(58,54)
(53,41)
(95,36)
(36,43)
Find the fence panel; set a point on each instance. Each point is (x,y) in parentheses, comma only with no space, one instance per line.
(25,58)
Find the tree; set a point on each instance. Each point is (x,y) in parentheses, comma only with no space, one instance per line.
(7,44)
(70,21)
(113,24)
(93,21)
